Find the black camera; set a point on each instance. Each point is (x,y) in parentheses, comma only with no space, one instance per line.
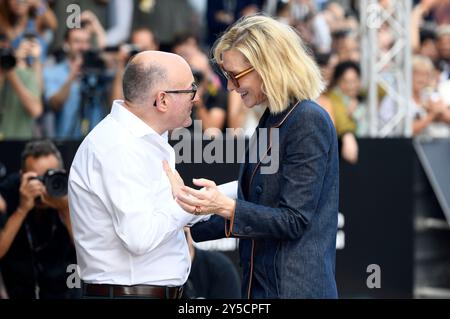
(7,59)
(130,49)
(55,181)
(93,62)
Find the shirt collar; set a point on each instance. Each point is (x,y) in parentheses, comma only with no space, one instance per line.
(134,124)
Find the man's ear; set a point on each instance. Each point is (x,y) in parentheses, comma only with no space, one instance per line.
(160,102)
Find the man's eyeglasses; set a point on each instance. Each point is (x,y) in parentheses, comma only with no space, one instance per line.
(235,77)
(192,91)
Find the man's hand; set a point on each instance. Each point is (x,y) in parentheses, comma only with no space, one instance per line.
(176,182)
(29,190)
(61,204)
(35,49)
(75,64)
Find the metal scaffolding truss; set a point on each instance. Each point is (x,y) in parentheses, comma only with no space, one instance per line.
(389,70)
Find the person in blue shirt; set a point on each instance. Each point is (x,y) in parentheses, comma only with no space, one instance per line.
(64,87)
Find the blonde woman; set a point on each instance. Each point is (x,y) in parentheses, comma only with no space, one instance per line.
(286,220)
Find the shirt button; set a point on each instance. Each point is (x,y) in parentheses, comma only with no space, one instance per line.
(247,229)
(258,189)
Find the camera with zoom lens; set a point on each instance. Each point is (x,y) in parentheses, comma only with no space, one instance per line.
(7,59)
(55,181)
(93,62)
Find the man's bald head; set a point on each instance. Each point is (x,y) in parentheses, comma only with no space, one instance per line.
(149,71)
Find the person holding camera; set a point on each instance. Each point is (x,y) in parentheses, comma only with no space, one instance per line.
(35,237)
(20,88)
(141,39)
(64,87)
(28,19)
(211,108)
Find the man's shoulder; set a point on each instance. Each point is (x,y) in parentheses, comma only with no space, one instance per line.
(109,139)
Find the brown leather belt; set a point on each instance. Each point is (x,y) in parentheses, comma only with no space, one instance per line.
(112,291)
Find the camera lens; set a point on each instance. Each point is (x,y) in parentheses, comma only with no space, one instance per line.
(56,183)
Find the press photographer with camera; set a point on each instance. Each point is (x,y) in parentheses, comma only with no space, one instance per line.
(20,88)
(141,39)
(211,107)
(35,237)
(65,84)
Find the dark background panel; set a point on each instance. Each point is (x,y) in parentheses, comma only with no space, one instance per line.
(378,199)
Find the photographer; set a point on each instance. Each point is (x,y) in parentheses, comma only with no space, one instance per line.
(64,87)
(211,108)
(20,88)
(141,39)
(35,238)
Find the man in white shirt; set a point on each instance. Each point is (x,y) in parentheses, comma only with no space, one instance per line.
(127,228)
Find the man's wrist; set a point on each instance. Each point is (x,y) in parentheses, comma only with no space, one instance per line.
(22,211)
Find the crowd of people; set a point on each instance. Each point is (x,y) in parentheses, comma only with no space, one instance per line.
(58,81)
(63,79)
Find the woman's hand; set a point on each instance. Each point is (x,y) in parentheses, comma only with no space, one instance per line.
(208,200)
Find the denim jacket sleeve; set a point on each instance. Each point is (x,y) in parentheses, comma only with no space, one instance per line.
(212,229)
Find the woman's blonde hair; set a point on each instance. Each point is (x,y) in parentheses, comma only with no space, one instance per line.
(277,53)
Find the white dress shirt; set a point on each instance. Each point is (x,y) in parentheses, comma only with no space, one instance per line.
(127,227)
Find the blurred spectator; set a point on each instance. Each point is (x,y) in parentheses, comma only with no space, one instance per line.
(19,19)
(442,12)
(212,276)
(211,107)
(349,114)
(428,45)
(77,103)
(334,15)
(431,116)
(20,88)
(98,8)
(90,22)
(443,46)
(418,15)
(165,18)
(326,63)
(120,15)
(185,44)
(312,22)
(35,239)
(142,39)
(347,46)
(221,13)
